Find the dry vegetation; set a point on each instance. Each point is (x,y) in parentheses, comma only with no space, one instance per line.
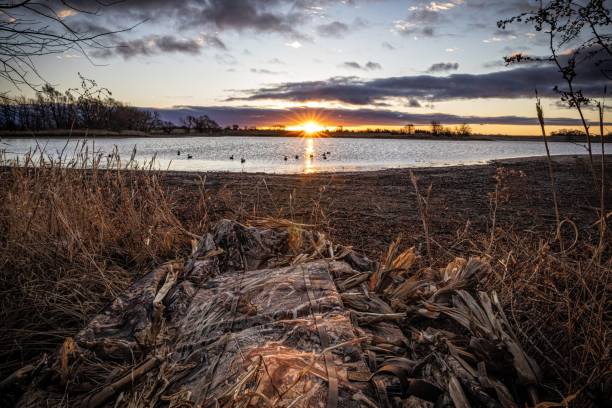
(71,239)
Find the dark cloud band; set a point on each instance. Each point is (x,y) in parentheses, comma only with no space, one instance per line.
(508,84)
(247,116)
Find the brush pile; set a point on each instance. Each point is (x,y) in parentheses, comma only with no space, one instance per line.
(276,315)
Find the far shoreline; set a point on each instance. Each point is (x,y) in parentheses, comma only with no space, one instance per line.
(103,134)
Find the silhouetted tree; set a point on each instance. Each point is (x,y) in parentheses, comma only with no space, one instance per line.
(166,126)
(582,25)
(88,107)
(463,130)
(202,124)
(436,128)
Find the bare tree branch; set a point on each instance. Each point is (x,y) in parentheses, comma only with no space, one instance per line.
(31,29)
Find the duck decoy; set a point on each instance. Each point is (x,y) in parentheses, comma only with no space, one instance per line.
(189,156)
(232,157)
(242,160)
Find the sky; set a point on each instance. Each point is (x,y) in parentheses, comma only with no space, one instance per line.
(362,63)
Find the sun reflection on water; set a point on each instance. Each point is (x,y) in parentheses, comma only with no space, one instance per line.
(308,156)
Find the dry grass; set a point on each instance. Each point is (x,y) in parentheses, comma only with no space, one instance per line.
(560,306)
(71,239)
(556,291)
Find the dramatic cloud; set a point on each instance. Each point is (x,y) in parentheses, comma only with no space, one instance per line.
(443,67)
(351,65)
(511,83)
(368,66)
(152,45)
(267,16)
(227,116)
(425,19)
(244,14)
(334,29)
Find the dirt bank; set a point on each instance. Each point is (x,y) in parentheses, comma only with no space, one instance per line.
(368,209)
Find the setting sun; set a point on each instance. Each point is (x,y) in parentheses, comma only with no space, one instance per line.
(312,127)
(309,128)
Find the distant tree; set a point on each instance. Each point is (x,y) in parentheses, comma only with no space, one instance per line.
(436,128)
(409,129)
(203,124)
(87,107)
(463,130)
(568,132)
(235,127)
(166,126)
(186,124)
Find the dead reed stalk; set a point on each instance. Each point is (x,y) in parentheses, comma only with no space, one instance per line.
(551,173)
(422,206)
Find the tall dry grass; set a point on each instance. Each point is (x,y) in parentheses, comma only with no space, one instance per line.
(556,290)
(74,231)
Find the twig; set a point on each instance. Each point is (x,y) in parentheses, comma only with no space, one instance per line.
(421,213)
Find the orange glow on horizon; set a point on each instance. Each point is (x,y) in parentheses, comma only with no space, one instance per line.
(309,128)
(477,129)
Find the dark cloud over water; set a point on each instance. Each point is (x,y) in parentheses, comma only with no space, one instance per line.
(248,116)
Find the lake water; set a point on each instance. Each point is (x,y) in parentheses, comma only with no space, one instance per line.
(267,154)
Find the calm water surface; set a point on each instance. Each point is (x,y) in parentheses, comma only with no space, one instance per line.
(267,154)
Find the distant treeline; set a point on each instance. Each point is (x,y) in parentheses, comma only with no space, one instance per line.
(88,107)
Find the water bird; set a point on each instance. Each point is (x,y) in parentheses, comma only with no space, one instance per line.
(297,157)
(189,156)
(285,158)
(232,157)
(242,160)
(178,153)
(324,157)
(312,156)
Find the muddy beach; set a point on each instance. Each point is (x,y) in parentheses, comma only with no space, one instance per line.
(369,209)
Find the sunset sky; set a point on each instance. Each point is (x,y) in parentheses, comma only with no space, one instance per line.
(353,62)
